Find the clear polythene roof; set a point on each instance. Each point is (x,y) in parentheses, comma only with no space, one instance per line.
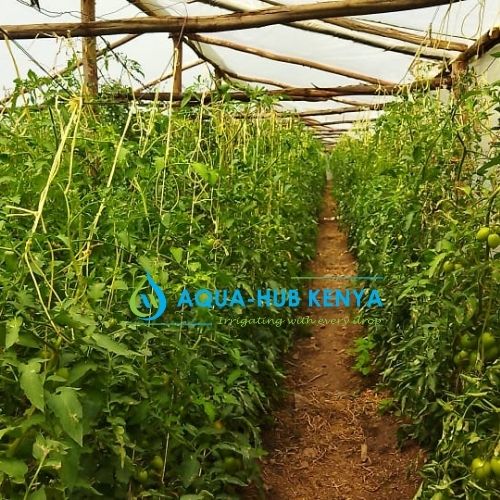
(463,21)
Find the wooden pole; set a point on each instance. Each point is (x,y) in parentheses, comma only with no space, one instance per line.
(481,45)
(341,111)
(204,24)
(357,27)
(388,32)
(160,79)
(90,79)
(256,79)
(178,45)
(306,94)
(289,59)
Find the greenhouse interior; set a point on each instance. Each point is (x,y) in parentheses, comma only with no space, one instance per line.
(250,249)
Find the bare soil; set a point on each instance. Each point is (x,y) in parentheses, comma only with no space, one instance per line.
(330,441)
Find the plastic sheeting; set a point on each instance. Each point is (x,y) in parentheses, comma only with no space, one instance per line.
(465,20)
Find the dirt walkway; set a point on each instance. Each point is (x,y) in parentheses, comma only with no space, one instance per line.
(329,441)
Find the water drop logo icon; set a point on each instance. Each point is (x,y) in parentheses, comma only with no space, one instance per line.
(155,300)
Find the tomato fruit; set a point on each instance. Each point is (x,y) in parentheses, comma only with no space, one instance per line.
(461,358)
(491,353)
(487,340)
(495,466)
(448,267)
(63,373)
(468,341)
(142,476)
(481,469)
(232,464)
(157,463)
(493,240)
(483,234)
(219,425)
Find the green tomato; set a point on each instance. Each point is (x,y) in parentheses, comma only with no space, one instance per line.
(491,353)
(472,360)
(493,240)
(438,496)
(483,234)
(232,465)
(461,358)
(481,469)
(142,476)
(468,341)
(495,466)
(487,340)
(157,463)
(448,266)
(63,373)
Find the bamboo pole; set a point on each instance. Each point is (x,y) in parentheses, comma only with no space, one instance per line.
(202,24)
(322,27)
(89,57)
(288,59)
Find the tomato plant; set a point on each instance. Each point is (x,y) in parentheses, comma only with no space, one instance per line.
(419,194)
(94,403)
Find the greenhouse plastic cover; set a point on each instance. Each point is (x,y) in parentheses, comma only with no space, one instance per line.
(465,21)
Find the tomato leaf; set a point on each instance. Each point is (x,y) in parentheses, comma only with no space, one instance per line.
(68,410)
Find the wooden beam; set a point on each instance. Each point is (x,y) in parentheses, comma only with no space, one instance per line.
(487,41)
(204,24)
(350,120)
(340,111)
(387,32)
(304,94)
(160,79)
(373,29)
(89,52)
(321,27)
(288,59)
(256,79)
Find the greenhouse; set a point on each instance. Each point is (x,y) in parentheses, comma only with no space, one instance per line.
(250,249)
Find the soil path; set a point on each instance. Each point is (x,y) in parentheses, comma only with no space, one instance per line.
(330,440)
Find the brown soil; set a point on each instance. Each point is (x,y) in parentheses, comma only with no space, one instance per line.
(330,440)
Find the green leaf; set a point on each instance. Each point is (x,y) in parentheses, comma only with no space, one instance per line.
(32,384)
(38,494)
(146,264)
(13,326)
(177,254)
(188,470)
(111,345)
(234,375)
(209,410)
(97,291)
(68,410)
(14,468)
(79,370)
